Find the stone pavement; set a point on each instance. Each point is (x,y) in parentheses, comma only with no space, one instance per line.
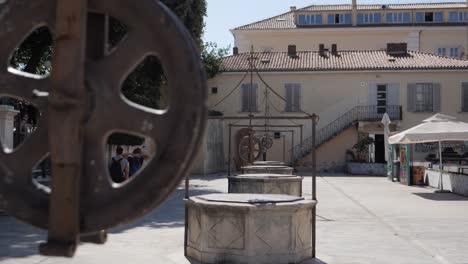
(360,220)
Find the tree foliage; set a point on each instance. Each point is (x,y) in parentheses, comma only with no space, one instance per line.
(212,58)
(146,84)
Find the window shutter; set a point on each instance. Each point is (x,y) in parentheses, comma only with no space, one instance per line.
(245,98)
(302,20)
(436,97)
(348,19)
(406,18)
(331,19)
(377,18)
(254,100)
(289,97)
(389,17)
(318,19)
(411,98)
(438,17)
(419,17)
(464,97)
(372,94)
(297,98)
(393,94)
(360,19)
(453,17)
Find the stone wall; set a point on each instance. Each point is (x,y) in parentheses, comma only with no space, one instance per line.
(331,156)
(373,169)
(210,158)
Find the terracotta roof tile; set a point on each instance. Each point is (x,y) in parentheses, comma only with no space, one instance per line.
(346,61)
(286,20)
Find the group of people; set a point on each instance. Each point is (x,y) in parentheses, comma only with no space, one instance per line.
(124,165)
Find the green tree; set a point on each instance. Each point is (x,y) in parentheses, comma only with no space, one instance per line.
(212,58)
(145,85)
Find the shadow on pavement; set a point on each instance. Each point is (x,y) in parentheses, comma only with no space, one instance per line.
(171,214)
(442,196)
(18,240)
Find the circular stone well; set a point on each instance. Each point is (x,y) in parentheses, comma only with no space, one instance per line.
(249,228)
(266,184)
(270,169)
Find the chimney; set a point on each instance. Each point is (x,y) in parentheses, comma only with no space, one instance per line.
(322,49)
(397,49)
(292,52)
(235,51)
(354,13)
(334,50)
(293,8)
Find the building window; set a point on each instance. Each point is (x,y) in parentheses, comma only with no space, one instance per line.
(249,98)
(454,53)
(458,17)
(442,52)
(372,18)
(424,97)
(214,90)
(315,19)
(339,19)
(464,97)
(293,97)
(398,18)
(429,17)
(381,98)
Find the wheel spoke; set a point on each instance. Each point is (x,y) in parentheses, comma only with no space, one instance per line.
(118,65)
(22,85)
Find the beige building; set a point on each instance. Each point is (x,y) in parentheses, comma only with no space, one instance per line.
(349,90)
(438,28)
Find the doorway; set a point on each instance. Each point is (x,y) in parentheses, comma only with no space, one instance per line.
(379,149)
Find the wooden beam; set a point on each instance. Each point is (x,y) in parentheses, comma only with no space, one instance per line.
(260,117)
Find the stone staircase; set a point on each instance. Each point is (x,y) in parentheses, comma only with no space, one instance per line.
(328,132)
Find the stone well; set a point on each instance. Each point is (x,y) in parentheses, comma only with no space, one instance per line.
(269,169)
(249,228)
(271,163)
(266,184)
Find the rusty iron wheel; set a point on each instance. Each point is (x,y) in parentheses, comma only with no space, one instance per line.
(153,30)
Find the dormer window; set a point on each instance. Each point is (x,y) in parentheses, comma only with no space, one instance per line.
(312,19)
(372,18)
(429,17)
(339,19)
(458,17)
(398,18)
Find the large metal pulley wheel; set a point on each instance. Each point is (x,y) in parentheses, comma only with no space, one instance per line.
(267,142)
(152,30)
(250,148)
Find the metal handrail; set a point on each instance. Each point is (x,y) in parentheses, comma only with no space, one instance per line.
(331,130)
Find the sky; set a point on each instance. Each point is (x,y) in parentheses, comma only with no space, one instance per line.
(224,15)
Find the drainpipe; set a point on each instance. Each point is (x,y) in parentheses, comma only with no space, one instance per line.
(354,13)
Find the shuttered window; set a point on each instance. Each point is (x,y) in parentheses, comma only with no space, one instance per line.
(293,97)
(249,98)
(464,97)
(423,97)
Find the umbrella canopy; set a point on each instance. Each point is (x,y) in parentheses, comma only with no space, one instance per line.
(436,128)
(386,122)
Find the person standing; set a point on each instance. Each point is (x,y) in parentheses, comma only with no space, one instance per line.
(119,167)
(135,160)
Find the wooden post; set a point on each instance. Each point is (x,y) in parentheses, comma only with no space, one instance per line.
(66,111)
(229,150)
(314,183)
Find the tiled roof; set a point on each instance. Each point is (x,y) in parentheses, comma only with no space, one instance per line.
(346,61)
(286,20)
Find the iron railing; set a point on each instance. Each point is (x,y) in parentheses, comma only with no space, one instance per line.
(331,130)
